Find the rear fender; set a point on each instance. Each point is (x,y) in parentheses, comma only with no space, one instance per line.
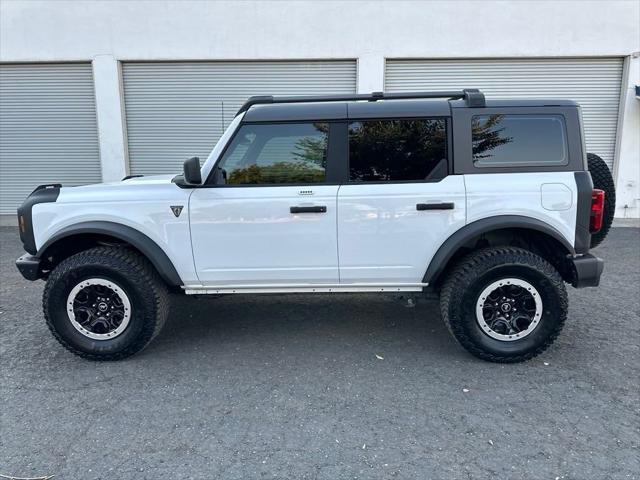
(486,225)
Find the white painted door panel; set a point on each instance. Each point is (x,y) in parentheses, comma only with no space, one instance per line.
(383,238)
(248,236)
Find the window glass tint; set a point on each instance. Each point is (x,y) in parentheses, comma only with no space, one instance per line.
(397,150)
(277,153)
(519,140)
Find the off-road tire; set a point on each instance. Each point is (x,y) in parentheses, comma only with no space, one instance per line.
(602,180)
(473,273)
(134,274)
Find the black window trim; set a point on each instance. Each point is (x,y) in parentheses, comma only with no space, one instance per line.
(330,174)
(337,172)
(462,148)
(448,131)
(518,166)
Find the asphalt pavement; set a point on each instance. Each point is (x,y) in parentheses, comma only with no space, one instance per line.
(324,387)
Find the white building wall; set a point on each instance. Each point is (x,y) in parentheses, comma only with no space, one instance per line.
(109,109)
(107,32)
(627,166)
(160,30)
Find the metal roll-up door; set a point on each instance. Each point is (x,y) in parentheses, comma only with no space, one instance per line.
(48,129)
(176,110)
(592,82)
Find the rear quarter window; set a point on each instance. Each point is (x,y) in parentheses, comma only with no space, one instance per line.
(519,140)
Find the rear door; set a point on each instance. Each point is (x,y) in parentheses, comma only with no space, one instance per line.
(400,203)
(270,219)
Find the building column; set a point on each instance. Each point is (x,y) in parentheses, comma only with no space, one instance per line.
(627,171)
(370,73)
(113,157)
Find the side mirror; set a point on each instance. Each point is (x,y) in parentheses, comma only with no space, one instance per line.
(191,169)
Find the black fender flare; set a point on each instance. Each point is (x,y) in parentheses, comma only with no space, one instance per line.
(486,225)
(137,239)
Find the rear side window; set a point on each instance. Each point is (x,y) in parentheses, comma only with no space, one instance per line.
(268,154)
(519,140)
(397,150)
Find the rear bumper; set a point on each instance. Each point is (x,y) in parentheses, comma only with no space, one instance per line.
(586,270)
(29,267)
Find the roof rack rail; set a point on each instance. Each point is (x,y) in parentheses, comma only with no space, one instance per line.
(472,96)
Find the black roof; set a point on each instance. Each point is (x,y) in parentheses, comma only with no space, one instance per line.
(521,102)
(339,106)
(273,112)
(345,110)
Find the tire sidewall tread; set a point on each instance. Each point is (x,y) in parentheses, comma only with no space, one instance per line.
(471,274)
(602,180)
(134,274)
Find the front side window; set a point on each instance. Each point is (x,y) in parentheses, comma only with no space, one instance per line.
(519,140)
(397,150)
(285,153)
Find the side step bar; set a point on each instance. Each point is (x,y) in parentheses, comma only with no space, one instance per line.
(320,288)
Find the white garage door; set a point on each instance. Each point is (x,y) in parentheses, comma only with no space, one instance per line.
(592,82)
(48,129)
(176,110)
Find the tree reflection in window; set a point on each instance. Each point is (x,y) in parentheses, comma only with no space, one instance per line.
(487,135)
(396,150)
(278,153)
(519,140)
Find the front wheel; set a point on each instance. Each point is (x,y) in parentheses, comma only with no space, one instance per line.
(106,303)
(504,304)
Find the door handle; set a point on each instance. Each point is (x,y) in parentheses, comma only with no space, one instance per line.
(435,206)
(312,209)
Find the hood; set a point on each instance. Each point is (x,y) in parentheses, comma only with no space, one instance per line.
(144,180)
(127,182)
(137,188)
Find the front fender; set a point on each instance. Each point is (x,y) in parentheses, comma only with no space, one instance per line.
(137,239)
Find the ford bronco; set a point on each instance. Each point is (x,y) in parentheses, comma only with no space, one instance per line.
(488,203)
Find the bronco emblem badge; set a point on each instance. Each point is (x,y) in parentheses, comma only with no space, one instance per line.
(176,209)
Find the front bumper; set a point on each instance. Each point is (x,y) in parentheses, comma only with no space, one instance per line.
(30,267)
(586,270)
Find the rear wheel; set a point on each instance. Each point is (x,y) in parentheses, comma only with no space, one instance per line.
(602,180)
(105,303)
(504,304)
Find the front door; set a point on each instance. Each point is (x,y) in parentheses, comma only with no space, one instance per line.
(270,218)
(400,203)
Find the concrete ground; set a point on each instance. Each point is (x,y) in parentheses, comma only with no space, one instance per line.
(324,387)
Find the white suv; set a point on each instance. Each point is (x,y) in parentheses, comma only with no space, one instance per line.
(489,203)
